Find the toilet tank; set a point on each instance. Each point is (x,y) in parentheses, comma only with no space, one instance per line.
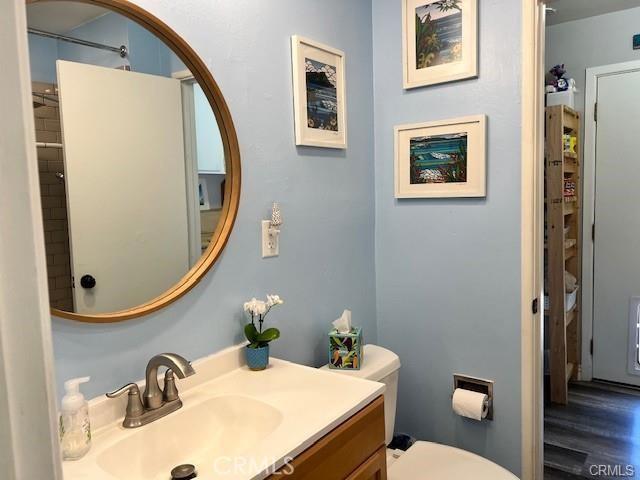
(379,365)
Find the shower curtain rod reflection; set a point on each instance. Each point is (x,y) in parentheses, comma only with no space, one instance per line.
(48,145)
(121,50)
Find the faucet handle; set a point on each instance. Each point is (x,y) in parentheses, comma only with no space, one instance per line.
(129,387)
(170,392)
(135,409)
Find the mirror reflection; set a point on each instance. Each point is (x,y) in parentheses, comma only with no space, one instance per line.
(131,160)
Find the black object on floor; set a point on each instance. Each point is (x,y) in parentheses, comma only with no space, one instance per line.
(401,442)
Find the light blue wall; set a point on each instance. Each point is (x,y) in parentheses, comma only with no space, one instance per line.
(110,29)
(448,270)
(175,64)
(146,53)
(327,197)
(42,54)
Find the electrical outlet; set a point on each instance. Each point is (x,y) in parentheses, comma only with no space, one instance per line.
(268,250)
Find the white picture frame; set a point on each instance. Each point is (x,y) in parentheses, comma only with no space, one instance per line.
(320,121)
(203,194)
(455,59)
(458,168)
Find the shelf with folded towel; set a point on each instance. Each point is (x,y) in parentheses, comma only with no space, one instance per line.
(563,194)
(570,302)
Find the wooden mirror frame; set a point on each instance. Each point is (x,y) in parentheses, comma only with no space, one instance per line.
(232,163)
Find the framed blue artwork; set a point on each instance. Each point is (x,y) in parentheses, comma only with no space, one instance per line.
(636,42)
(319,94)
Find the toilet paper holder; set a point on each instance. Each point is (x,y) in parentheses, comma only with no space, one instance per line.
(479,385)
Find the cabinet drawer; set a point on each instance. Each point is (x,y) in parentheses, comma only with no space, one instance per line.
(350,452)
(373,469)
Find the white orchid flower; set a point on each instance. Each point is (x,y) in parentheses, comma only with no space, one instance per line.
(250,306)
(260,307)
(274,300)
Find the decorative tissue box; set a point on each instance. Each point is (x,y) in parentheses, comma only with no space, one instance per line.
(345,349)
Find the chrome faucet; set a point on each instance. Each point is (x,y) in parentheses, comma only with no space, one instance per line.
(157,403)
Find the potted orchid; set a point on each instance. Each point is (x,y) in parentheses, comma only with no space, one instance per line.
(257,352)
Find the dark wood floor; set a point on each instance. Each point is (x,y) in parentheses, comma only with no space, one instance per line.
(596,436)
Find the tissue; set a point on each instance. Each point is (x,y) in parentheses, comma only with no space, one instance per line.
(343,324)
(345,344)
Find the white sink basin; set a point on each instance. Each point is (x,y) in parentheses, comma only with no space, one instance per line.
(235,424)
(224,426)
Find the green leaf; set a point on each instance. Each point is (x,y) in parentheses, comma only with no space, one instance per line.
(251,332)
(268,335)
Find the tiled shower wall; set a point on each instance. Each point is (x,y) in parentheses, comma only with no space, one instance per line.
(54,202)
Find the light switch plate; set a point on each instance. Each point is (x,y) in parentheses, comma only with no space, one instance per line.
(266,251)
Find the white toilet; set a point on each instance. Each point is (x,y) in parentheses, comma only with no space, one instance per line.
(424,460)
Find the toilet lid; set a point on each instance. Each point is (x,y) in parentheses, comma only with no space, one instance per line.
(431,461)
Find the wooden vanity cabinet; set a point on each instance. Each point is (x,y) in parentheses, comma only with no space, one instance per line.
(375,468)
(355,450)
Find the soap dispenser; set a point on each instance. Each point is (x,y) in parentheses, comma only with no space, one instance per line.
(75,430)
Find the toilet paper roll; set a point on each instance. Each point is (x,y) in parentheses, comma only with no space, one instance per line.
(470,404)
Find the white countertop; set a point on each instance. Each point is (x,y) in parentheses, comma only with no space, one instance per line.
(297,405)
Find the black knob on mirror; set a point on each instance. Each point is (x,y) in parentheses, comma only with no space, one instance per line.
(87,281)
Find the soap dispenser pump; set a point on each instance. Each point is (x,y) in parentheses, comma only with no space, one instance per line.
(75,429)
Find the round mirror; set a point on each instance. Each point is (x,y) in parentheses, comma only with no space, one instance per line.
(138,159)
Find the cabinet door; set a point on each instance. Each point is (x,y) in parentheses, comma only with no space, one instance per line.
(375,468)
(345,451)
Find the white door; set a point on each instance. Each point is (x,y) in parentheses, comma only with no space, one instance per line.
(617,219)
(125,182)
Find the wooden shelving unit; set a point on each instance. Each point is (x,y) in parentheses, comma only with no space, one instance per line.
(563,249)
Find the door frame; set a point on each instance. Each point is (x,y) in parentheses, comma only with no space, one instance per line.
(532,237)
(27,390)
(191,164)
(43,462)
(588,217)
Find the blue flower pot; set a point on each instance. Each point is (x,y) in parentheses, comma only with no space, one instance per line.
(257,358)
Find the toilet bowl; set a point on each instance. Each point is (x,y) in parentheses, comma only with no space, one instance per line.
(423,460)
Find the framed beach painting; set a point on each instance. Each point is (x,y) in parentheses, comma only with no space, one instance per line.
(318,94)
(439,40)
(441,159)
(203,194)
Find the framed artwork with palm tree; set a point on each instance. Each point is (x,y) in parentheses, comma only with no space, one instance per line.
(441,159)
(440,41)
(319,94)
